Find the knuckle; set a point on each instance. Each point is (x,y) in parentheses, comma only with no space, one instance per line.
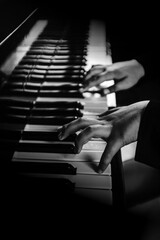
(118,134)
(89,129)
(117,73)
(80,120)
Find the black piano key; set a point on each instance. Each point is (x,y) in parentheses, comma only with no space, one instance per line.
(60,42)
(37,185)
(36,119)
(35,61)
(60,67)
(21,102)
(60,94)
(22,71)
(52,61)
(12,118)
(58,55)
(60,104)
(60,86)
(78,72)
(49,41)
(80,54)
(39,51)
(43,167)
(43,136)
(46,146)
(69,61)
(22,92)
(64,75)
(51,120)
(38,57)
(57,112)
(14,84)
(8,147)
(54,70)
(10,134)
(28,71)
(15,110)
(39,146)
(18,77)
(52,49)
(64,79)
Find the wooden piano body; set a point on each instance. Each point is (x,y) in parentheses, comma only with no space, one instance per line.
(38,94)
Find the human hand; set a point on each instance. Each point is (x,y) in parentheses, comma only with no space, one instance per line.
(125,74)
(117,127)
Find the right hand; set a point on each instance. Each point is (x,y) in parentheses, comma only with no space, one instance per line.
(125,74)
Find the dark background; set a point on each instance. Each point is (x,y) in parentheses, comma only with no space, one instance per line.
(132,29)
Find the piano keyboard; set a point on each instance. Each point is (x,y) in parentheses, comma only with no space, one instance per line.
(42,93)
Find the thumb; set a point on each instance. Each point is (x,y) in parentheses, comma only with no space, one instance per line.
(112,147)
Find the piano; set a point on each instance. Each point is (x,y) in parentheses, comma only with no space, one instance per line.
(40,82)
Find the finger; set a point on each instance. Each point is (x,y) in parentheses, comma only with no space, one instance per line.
(97,66)
(94,131)
(109,111)
(113,145)
(110,89)
(97,80)
(94,70)
(119,85)
(75,126)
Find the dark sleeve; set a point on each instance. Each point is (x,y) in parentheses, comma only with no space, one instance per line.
(150,61)
(148,142)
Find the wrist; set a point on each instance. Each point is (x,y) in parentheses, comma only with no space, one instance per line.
(140,69)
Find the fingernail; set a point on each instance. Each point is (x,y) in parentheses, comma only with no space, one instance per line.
(60,136)
(81,90)
(76,150)
(106,91)
(85,89)
(59,129)
(100,171)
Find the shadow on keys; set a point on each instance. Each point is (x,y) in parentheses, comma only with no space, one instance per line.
(142,186)
(47,206)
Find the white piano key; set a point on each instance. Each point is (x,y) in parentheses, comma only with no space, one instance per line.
(85,155)
(95,145)
(97,45)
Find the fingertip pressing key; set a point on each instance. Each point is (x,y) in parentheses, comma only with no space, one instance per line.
(60,133)
(81,90)
(100,171)
(59,129)
(60,136)
(101,168)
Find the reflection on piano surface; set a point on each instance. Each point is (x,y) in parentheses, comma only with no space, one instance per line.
(41,92)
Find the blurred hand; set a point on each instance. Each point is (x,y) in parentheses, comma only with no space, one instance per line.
(125,75)
(117,127)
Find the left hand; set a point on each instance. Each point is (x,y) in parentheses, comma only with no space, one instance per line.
(117,127)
